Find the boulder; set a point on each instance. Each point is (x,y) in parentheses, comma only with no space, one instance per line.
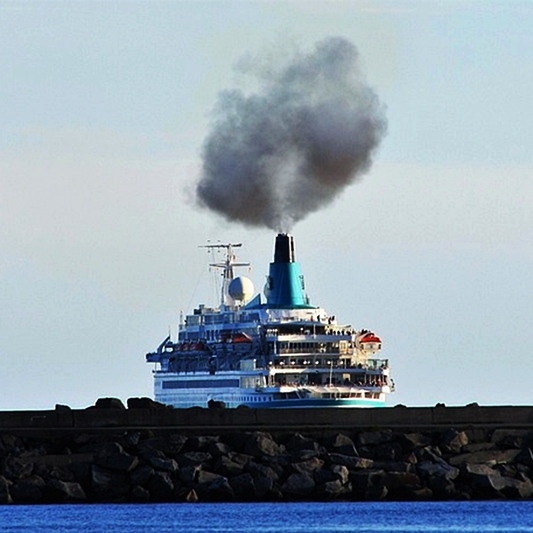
(160,487)
(109,485)
(490,457)
(261,444)
(163,463)
(145,403)
(220,490)
(65,491)
(298,485)
(512,438)
(349,461)
(309,466)
(368,438)
(413,441)
(441,469)
(28,490)
(194,459)
(243,487)
(5,495)
(15,468)
(171,445)
(298,442)
(333,490)
(141,475)
(109,403)
(452,441)
(340,472)
(113,456)
(139,494)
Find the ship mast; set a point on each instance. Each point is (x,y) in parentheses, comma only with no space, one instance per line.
(227,267)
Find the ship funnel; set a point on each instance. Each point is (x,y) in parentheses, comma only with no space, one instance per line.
(285,284)
(284,249)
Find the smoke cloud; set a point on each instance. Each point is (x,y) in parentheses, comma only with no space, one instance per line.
(287,150)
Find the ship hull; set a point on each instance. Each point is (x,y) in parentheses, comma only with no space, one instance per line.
(181,392)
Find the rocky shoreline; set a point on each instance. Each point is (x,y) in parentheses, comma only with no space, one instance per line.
(169,465)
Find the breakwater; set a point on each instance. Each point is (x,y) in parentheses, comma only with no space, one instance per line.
(151,453)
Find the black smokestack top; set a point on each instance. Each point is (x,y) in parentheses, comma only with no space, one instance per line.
(275,156)
(284,249)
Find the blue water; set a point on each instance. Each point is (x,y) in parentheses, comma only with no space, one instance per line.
(475,517)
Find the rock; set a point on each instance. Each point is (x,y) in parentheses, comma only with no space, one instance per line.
(427,470)
(139,494)
(413,441)
(341,473)
(206,478)
(15,468)
(362,480)
(267,490)
(485,481)
(28,490)
(512,438)
(109,403)
(394,466)
(442,487)
(9,444)
(309,466)
(145,403)
(452,441)
(389,451)
(349,461)
(113,456)
(261,444)
(491,457)
(64,473)
(218,449)
(340,443)
(333,490)
(264,471)
(109,485)
(200,443)
(214,404)
(163,463)
(429,453)
(298,456)
(5,495)
(194,459)
(367,438)
(220,490)
(65,491)
(377,492)
(298,442)
(189,474)
(141,475)
(298,485)
(160,487)
(422,494)
(192,496)
(525,457)
(243,487)
(227,467)
(170,445)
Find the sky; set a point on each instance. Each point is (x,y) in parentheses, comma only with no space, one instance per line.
(104,111)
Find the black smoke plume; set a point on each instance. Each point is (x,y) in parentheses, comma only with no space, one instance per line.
(277,155)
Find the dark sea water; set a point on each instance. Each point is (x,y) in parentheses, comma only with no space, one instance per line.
(516,517)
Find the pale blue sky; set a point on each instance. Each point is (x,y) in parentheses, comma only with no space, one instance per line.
(103,110)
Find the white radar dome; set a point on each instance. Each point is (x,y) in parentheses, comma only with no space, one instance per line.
(241,289)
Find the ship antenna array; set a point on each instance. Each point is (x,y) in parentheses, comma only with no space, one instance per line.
(227,267)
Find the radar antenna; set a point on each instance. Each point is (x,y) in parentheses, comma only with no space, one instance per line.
(227,267)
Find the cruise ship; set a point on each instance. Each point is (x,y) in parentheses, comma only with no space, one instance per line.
(271,350)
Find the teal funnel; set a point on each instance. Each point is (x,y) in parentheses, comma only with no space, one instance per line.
(285,283)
